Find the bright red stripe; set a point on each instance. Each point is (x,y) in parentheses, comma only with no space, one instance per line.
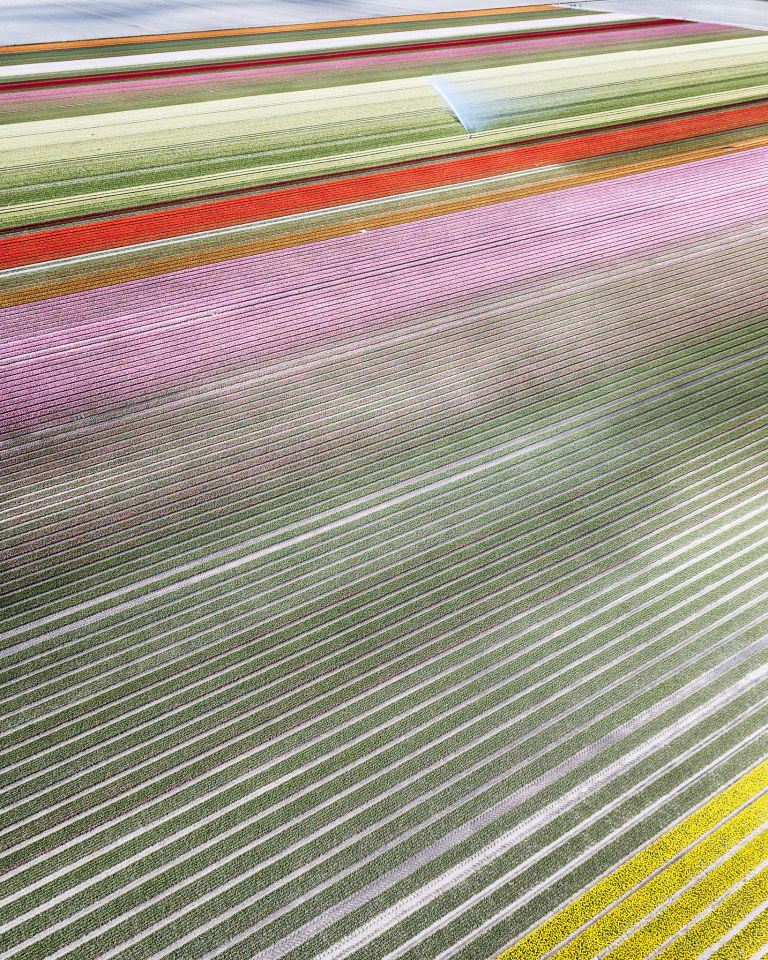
(85,238)
(331,55)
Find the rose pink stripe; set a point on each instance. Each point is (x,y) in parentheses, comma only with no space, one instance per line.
(97,348)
